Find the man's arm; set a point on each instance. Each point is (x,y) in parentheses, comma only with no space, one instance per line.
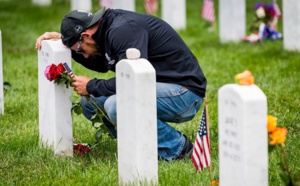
(46,36)
(101,87)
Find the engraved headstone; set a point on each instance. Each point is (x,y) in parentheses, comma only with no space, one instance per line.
(55,120)
(232,20)
(174,13)
(291,25)
(243,145)
(123,4)
(81,5)
(137,121)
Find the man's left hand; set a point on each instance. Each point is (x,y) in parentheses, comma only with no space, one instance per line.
(79,85)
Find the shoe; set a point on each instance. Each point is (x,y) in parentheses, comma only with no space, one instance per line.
(187,150)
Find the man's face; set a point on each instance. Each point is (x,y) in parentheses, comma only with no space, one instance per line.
(86,46)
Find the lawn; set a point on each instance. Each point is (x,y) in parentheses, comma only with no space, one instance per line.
(24,162)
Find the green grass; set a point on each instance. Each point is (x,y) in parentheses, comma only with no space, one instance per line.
(24,162)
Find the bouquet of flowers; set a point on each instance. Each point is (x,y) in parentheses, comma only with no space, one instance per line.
(59,74)
(265,22)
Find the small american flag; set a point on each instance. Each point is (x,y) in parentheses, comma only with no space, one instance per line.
(208,11)
(151,6)
(68,70)
(277,9)
(201,151)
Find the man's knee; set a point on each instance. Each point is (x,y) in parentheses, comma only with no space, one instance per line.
(110,107)
(84,103)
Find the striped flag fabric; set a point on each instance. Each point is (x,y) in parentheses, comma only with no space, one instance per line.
(106,3)
(277,9)
(68,70)
(201,151)
(151,6)
(208,10)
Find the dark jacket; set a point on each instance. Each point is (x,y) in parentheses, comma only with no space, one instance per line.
(157,41)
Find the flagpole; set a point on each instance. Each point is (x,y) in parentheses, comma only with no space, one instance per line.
(201,150)
(207,126)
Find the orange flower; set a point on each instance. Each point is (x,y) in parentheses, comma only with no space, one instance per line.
(278,136)
(272,123)
(214,182)
(245,78)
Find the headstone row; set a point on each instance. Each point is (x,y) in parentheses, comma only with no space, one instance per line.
(137,135)
(232,17)
(173,12)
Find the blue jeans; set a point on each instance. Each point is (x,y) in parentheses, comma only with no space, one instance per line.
(175,104)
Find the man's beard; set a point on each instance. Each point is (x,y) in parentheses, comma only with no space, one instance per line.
(96,47)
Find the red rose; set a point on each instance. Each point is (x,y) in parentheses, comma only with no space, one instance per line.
(61,68)
(52,72)
(81,149)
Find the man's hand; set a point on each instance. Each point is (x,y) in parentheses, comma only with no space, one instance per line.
(45,36)
(79,85)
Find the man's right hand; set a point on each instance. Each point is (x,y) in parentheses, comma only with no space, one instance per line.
(45,36)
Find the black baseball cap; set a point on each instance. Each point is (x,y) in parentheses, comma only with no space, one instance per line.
(77,21)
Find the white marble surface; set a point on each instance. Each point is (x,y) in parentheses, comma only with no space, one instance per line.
(243,145)
(1,78)
(123,4)
(291,24)
(137,122)
(174,13)
(55,120)
(232,20)
(81,5)
(41,2)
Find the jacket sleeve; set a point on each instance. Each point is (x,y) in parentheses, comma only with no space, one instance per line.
(101,87)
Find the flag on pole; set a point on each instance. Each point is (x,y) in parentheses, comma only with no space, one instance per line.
(68,70)
(208,11)
(277,9)
(151,6)
(276,15)
(201,151)
(106,3)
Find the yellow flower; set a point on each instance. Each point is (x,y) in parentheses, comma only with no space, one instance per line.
(214,182)
(278,136)
(272,123)
(244,78)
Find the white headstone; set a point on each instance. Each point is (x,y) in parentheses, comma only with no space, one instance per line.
(291,25)
(243,140)
(55,120)
(174,13)
(1,79)
(81,5)
(123,4)
(232,18)
(137,121)
(42,2)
